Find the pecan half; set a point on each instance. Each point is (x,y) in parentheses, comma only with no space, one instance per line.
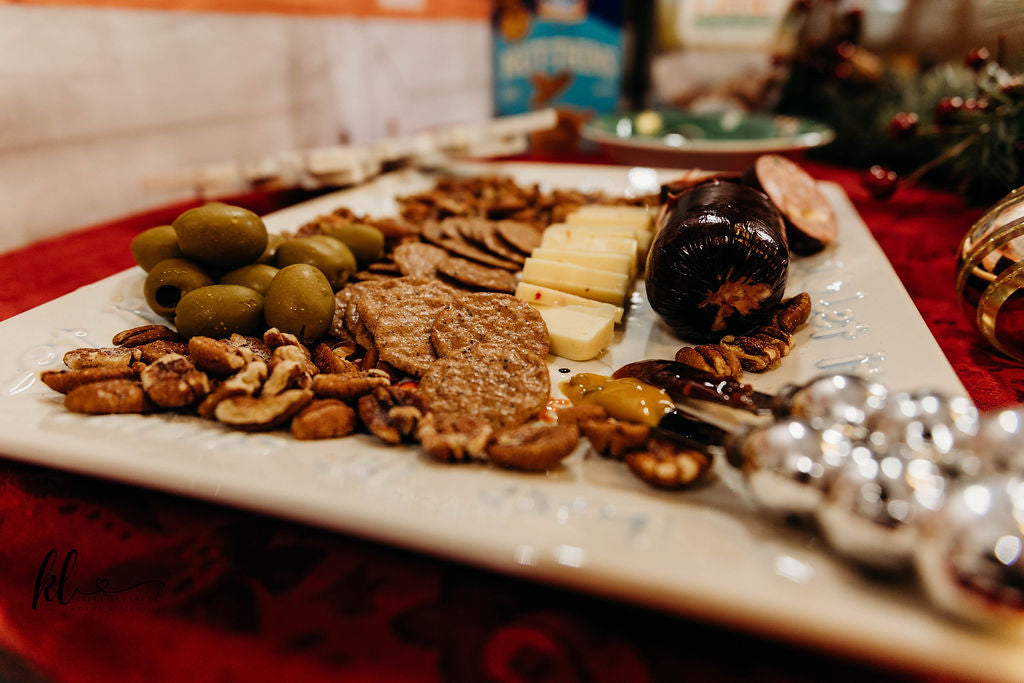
(761,350)
(286,374)
(613,438)
(577,415)
(391,413)
(173,382)
(326,418)
(667,464)
(333,361)
(533,446)
(715,359)
(792,312)
(349,387)
(153,350)
(260,414)
(108,397)
(275,338)
(108,357)
(256,345)
(137,336)
(245,382)
(64,381)
(217,356)
(448,437)
(293,354)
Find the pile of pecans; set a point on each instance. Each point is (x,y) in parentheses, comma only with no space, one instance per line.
(276,382)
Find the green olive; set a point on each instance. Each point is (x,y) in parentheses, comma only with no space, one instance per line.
(221,236)
(152,246)
(168,281)
(273,241)
(300,301)
(219,310)
(365,241)
(255,276)
(329,255)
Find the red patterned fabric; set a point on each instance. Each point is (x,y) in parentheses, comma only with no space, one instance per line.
(217,594)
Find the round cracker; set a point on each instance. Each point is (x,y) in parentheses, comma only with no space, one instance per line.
(371,304)
(520,236)
(476,275)
(349,296)
(490,318)
(490,381)
(403,329)
(418,259)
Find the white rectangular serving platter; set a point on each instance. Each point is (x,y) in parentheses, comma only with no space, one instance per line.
(589,525)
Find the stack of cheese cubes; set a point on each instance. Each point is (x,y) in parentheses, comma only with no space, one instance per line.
(580,275)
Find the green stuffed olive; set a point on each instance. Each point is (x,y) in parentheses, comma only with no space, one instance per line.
(270,252)
(255,276)
(152,246)
(221,236)
(365,241)
(168,281)
(300,300)
(327,254)
(218,311)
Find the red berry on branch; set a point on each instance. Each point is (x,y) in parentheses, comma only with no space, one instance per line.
(971,104)
(903,125)
(977,58)
(880,182)
(947,108)
(846,49)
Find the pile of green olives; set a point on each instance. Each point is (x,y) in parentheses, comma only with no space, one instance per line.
(216,271)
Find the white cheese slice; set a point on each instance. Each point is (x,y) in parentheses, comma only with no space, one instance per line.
(617,263)
(626,231)
(535,294)
(576,334)
(588,242)
(642,236)
(602,285)
(594,214)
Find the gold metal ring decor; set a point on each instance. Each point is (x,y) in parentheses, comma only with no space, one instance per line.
(990,275)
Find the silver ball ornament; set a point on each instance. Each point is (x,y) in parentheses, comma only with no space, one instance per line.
(999,443)
(871,512)
(969,556)
(788,465)
(847,400)
(929,425)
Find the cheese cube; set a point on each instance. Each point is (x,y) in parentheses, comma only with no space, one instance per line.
(546,296)
(589,242)
(576,334)
(635,216)
(617,263)
(602,285)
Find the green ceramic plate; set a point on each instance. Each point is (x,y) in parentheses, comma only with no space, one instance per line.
(722,140)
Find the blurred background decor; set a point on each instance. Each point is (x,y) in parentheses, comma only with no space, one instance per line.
(914,88)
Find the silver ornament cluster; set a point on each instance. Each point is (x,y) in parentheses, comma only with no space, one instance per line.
(900,481)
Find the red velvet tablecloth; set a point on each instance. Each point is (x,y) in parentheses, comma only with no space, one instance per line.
(216,594)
